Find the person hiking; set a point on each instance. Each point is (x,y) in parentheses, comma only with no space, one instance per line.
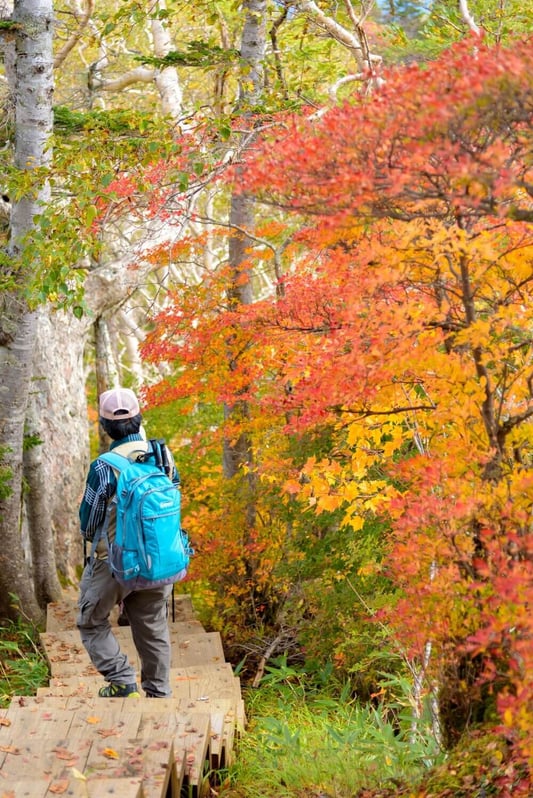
(100,592)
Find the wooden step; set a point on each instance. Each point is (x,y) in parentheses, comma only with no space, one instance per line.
(67,656)
(61,615)
(57,716)
(45,736)
(221,674)
(25,788)
(152,762)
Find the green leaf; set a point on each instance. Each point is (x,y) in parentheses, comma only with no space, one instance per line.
(90,215)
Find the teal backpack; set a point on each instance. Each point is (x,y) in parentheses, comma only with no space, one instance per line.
(149,548)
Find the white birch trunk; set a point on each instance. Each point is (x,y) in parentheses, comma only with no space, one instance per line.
(29,71)
(239,454)
(166,80)
(60,405)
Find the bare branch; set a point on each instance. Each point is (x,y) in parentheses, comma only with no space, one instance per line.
(340,33)
(76,36)
(137,75)
(468,18)
(332,91)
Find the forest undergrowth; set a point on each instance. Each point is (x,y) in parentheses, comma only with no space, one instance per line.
(313,738)
(23,667)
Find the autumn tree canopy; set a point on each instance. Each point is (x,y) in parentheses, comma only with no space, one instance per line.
(400,336)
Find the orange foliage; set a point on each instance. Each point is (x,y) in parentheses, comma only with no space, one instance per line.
(404,326)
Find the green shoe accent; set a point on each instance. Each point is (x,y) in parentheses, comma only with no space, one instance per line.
(119,691)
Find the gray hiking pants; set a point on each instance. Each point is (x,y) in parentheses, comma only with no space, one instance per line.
(147,613)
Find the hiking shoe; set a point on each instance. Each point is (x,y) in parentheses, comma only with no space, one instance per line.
(119,691)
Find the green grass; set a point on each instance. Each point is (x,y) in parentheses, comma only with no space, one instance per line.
(305,741)
(23,667)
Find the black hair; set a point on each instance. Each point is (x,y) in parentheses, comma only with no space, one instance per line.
(118,428)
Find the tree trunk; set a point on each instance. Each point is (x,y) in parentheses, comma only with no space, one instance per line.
(37,495)
(105,368)
(15,369)
(29,72)
(58,392)
(238,455)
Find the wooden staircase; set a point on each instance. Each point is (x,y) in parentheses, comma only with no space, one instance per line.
(68,741)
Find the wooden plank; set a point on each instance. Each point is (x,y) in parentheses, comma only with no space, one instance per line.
(154,724)
(24,788)
(94,704)
(220,674)
(204,682)
(191,746)
(186,728)
(53,702)
(197,649)
(241,716)
(201,670)
(95,788)
(150,760)
(117,788)
(216,736)
(230,729)
(5,725)
(192,627)
(178,776)
(66,686)
(61,615)
(66,654)
(80,668)
(222,714)
(43,757)
(216,687)
(96,711)
(71,787)
(183,609)
(102,722)
(30,721)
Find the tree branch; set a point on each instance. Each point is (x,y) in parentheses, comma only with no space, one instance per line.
(468,18)
(76,36)
(339,32)
(392,411)
(137,75)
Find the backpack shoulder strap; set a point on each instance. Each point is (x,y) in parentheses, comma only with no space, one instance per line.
(116,461)
(124,454)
